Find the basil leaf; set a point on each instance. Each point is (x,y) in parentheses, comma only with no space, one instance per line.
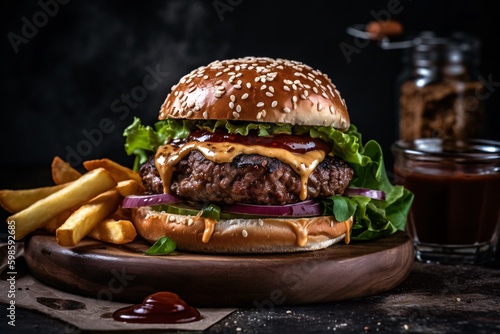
(162,246)
(343,208)
(211,211)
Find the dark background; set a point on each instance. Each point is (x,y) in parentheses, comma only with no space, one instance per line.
(88,56)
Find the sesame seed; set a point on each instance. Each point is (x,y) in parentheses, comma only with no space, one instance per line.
(320,107)
(287,110)
(231,105)
(303,97)
(274,104)
(315,90)
(171,218)
(218,74)
(237,86)
(191,89)
(332,109)
(189,114)
(256,79)
(249,85)
(269,94)
(205,77)
(260,104)
(244,233)
(288,82)
(294,99)
(294,87)
(238,108)
(271,89)
(205,114)
(259,115)
(219,82)
(324,95)
(297,74)
(263,87)
(263,113)
(244,96)
(306,93)
(191,104)
(235,114)
(286,88)
(233,98)
(238,75)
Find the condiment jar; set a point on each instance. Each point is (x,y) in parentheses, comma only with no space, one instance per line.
(455,215)
(440,94)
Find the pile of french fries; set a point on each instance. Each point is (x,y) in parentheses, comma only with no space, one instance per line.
(78,205)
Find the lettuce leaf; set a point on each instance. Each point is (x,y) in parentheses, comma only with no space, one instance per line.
(372,218)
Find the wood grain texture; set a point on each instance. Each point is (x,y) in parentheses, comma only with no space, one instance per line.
(123,273)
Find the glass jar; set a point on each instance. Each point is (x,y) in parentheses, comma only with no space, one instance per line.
(440,94)
(455,215)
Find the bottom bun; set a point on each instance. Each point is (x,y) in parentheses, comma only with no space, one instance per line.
(241,235)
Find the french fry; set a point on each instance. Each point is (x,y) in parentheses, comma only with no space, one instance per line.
(130,187)
(83,220)
(121,214)
(62,172)
(53,224)
(114,231)
(16,200)
(78,192)
(117,171)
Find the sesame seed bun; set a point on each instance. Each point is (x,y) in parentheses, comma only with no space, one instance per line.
(266,235)
(257,90)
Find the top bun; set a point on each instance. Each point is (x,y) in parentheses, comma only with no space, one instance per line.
(257,90)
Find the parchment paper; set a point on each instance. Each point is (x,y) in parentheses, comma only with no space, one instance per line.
(81,312)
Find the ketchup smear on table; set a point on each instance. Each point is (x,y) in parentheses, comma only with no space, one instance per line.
(158,308)
(293,143)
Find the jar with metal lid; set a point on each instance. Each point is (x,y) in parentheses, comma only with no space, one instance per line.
(455,215)
(440,88)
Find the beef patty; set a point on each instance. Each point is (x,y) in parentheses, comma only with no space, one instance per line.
(251,179)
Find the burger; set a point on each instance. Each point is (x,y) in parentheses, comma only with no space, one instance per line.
(258,155)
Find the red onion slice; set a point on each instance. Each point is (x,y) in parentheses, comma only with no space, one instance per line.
(371,193)
(302,209)
(134,201)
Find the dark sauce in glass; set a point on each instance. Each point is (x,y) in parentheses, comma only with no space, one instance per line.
(453,208)
(161,307)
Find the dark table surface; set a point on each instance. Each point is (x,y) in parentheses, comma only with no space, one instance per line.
(433,299)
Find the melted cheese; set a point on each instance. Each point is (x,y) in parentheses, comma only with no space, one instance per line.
(348,225)
(168,156)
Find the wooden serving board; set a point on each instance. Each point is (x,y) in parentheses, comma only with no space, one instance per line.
(123,273)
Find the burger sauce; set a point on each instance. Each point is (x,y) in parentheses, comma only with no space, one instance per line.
(161,307)
(453,209)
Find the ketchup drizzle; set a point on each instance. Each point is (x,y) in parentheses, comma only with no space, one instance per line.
(158,308)
(293,143)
